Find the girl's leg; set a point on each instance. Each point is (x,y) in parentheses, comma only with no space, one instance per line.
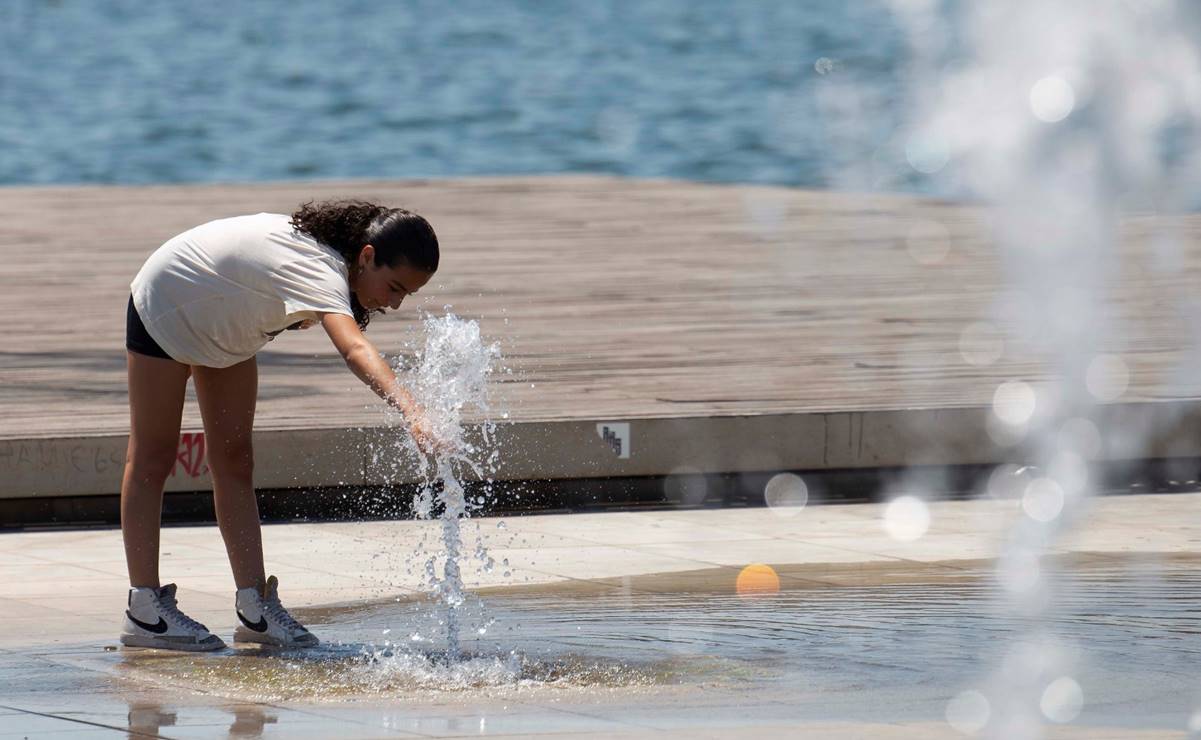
(156,395)
(227,398)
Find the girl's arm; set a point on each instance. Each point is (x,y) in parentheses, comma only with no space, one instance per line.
(364,360)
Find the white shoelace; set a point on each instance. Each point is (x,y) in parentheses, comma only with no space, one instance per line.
(276,610)
(169,609)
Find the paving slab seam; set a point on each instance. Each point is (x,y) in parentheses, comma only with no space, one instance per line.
(84,662)
(134,733)
(188,689)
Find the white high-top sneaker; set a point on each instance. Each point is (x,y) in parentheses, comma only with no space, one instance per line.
(264,620)
(154,620)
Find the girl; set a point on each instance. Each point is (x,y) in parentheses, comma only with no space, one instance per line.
(202,306)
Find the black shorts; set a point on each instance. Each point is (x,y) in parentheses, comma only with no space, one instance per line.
(137,339)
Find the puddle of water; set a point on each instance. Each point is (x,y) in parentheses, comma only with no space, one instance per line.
(1134,637)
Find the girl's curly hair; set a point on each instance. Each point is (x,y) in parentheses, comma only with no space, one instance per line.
(399,236)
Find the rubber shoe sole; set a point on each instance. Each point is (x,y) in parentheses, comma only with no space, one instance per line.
(242,634)
(177,643)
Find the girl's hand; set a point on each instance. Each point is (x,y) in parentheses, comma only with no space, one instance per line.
(424,434)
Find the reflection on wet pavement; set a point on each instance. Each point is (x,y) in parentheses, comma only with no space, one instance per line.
(632,654)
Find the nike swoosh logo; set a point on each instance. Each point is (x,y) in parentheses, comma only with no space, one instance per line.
(259,626)
(157,629)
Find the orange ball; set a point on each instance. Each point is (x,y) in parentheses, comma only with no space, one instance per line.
(757,579)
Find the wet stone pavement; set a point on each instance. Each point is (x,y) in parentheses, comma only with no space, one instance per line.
(633,624)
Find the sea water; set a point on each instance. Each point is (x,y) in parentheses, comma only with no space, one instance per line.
(119,92)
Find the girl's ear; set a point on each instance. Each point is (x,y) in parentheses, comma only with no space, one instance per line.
(366,256)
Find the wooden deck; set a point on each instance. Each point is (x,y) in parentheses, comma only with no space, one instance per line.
(611,298)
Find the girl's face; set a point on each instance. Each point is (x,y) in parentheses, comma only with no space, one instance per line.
(380,286)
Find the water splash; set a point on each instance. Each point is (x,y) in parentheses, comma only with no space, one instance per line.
(389,672)
(354,671)
(449,379)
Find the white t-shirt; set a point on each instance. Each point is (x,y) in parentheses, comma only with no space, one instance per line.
(215,294)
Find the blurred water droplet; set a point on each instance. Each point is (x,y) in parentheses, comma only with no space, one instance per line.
(1062,700)
(927,241)
(1043,500)
(1052,99)
(981,344)
(1070,470)
(1002,434)
(686,486)
(786,494)
(1107,377)
(926,153)
(1194,721)
(906,518)
(1014,402)
(1081,436)
(1008,481)
(968,712)
(1019,571)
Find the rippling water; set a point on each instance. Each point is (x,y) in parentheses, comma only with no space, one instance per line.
(1132,635)
(119,91)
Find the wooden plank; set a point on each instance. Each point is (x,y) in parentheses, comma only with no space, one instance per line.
(611,298)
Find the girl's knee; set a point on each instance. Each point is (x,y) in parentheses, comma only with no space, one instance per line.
(234,461)
(151,463)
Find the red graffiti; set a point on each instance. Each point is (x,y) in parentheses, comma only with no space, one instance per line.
(190,456)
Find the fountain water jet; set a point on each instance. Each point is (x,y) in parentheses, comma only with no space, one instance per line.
(1061,116)
(450,376)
